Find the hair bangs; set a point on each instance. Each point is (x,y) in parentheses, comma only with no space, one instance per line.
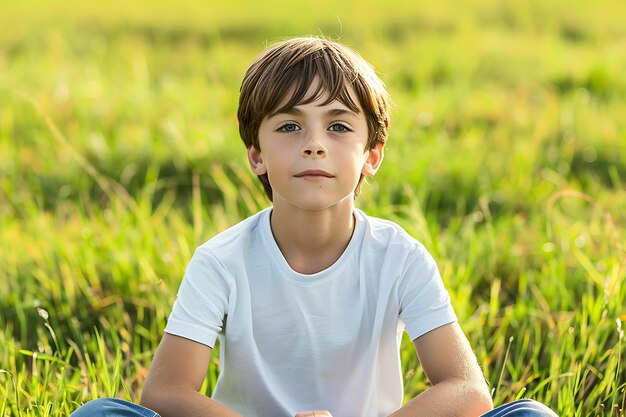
(331,78)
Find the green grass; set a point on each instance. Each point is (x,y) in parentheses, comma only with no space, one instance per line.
(119,154)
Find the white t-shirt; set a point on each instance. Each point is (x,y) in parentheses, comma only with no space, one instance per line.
(291,342)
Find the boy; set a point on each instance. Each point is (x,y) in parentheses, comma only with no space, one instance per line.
(310,297)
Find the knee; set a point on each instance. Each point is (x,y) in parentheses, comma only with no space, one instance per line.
(537,409)
(104,407)
(94,408)
(526,408)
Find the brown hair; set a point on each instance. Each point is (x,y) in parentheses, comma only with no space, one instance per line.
(289,68)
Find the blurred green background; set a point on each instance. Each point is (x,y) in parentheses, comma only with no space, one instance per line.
(119,154)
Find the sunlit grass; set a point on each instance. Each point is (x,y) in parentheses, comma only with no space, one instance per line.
(119,154)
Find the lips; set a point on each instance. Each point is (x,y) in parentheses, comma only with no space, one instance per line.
(314,173)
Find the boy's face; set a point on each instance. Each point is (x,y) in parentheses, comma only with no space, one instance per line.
(314,154)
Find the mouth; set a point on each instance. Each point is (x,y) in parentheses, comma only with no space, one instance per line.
(314,174)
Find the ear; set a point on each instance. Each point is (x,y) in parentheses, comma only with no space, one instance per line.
(374,159)
(255,159)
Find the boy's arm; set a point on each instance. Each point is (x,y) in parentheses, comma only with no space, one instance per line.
(459,388)
(176,374)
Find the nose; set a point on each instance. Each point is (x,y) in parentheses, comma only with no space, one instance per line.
(314,148)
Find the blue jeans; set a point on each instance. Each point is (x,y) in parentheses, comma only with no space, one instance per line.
(111,407)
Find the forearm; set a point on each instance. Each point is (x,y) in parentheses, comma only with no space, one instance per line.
(453,397)
(174,402)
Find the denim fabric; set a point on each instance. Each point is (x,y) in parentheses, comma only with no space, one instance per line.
(112,407)
(521,408)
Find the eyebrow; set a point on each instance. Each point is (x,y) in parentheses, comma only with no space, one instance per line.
(294,111)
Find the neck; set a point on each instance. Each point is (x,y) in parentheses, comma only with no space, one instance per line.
(312,240)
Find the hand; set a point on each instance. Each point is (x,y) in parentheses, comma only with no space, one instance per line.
(314,413)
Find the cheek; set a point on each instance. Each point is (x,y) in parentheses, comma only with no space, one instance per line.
(360,158)
(278,164)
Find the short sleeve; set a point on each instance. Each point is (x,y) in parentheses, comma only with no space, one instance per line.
(424,302)
(202,301)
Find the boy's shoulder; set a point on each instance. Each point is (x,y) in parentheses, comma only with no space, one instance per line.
(387,233)
(236,235)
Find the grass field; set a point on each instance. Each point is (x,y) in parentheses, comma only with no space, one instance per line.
(119,154)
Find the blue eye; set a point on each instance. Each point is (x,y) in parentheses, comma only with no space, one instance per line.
(289,127)
(338,127)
